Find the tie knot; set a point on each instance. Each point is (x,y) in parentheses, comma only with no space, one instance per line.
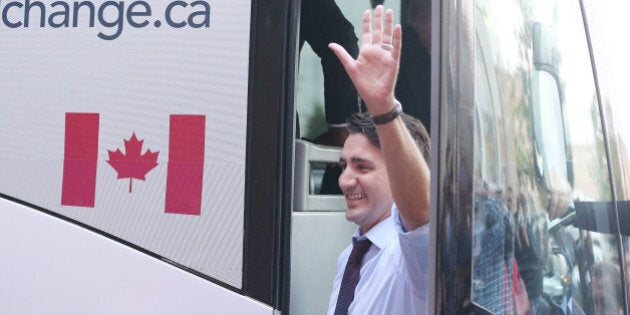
(359,249)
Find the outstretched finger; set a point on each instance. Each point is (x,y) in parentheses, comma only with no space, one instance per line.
(389,25)
(344,57)
(377,34)
(366,35)
(397,42)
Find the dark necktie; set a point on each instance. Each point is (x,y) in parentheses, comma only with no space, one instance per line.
(351,276)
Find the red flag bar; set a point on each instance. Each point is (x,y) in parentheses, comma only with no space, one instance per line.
(80,159)
(184,179)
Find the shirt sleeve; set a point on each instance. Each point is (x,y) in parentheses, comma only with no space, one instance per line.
(414,246)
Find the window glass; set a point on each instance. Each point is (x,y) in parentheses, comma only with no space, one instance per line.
(611,58)
(544,233)
(487,115)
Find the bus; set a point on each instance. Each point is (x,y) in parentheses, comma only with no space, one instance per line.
(165,157)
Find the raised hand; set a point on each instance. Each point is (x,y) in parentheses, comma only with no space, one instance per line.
(375,70)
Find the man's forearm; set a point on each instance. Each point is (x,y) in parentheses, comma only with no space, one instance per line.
(409,175)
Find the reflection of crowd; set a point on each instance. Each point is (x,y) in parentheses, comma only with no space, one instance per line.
(606,289)
(564,270)
(494,255)
(509,250)
(531,243)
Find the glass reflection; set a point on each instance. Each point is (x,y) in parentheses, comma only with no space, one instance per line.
(544,230)
(612,65)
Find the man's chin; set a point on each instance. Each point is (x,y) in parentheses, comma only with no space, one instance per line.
(352,215)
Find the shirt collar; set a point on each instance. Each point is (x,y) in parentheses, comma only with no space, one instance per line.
(380,235)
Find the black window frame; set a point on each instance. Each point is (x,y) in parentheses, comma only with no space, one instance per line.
(270,135)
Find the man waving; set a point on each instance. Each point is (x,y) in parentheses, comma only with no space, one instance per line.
(386,185)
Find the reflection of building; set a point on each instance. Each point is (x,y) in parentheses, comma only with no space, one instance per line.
(586,186)
(619,147)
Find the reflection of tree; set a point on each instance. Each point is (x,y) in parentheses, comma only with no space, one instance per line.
(619,154)
(521,92)
(525,33)
(599,168)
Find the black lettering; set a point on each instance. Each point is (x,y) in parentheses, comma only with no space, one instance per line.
(27,12)
(204,13)
(64,14)
(75,12)
(131,13)
(169,8)
(118,22)
(5,13)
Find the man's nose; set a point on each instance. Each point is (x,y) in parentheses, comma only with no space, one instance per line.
(346,179)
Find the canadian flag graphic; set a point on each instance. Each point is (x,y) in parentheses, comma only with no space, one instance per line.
(184,180)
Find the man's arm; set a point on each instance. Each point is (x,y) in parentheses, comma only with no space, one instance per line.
(408,173)
(374,75)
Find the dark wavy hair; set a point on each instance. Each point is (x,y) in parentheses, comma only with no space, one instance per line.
(363,123)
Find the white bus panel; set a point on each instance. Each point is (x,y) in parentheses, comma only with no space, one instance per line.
(50,266)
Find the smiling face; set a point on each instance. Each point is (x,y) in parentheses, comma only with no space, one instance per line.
(364,182)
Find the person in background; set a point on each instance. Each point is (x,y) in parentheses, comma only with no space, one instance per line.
(413,87)
(385,181)
(322,22)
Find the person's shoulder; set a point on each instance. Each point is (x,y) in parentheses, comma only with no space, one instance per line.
(419,231)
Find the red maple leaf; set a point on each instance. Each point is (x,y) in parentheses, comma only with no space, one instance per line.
(132,164)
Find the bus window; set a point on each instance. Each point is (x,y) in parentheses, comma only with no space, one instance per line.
(544,234)
(316,210)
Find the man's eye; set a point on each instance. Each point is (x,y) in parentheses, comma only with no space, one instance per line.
(363,168)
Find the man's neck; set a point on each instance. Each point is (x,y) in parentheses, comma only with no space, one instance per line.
(366,228)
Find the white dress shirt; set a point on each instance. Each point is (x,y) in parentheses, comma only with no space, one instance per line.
(394,271)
